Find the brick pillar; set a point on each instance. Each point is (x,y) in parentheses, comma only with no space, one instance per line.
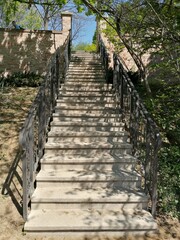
(66,21)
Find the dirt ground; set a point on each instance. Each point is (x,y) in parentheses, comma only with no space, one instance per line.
(14,104)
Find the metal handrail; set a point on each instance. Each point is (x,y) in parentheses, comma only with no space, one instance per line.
(144,134)
(33,135)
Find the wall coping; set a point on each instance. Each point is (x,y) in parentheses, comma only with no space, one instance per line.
(66,13)
(30,31)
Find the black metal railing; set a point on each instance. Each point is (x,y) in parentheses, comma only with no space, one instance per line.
(144,134)
(33,135)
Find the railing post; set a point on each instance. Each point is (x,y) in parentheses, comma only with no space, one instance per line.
(155,175)
(25,184)
(115,73)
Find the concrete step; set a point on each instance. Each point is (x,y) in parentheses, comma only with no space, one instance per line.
(89,149)
(92,145)
(82,91)
(86,126)
(73,73)
(85,59)
(86,65)
(85,105)
(83,97)
(111,118)
(101,162)
(95,66)
(85,56)
(83,100)
(72,84)
(93,71)
(86,137)
(88,179)
(85,78)
(86,94)
(90,134)
(83,223)
(91,84)
(86,87)
(89,112)
(88,102)
(78,198)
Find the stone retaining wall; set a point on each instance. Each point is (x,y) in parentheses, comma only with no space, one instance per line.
(29,51)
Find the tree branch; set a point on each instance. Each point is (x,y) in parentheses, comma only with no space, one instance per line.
(30,2)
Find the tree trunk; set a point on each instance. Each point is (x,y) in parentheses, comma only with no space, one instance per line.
(138,61)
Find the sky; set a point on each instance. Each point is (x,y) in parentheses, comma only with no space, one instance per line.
(87,28)
(86,24)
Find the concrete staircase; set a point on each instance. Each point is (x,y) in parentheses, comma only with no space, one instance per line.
(88,183)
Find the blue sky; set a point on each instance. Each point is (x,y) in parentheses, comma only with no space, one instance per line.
(88,24)
(87,29)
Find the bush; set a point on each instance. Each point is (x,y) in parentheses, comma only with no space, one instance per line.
(85,47)
(169,180)
(164,106)
(20,79)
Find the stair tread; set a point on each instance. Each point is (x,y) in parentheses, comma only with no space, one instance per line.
(89,107)
(86,94)
(85,89)
(77,158)
(87,133)
(97,194)
(80,103)
(87,145)
(95,124)
(89,220)
(85,175)
(88,114)
(97,111)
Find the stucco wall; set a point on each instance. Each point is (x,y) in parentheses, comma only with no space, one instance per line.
(24,50)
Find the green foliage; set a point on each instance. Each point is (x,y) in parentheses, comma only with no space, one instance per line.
(30,16)
(85,47)
(21,80)
(27,18)
(94,40)
(169,179)
(90,48)
(164,106)
(111,34)
(8,9)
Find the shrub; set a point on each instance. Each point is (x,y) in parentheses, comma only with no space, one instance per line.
(169,179)
(164,106)
(20,79)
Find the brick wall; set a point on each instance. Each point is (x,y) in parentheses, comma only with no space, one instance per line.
(25,50)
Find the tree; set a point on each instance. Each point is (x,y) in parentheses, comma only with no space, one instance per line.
(143,26)
(28,18)
(47,10)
